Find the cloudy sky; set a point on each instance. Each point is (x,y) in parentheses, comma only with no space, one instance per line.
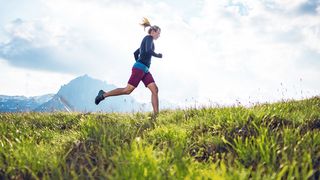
(213,51)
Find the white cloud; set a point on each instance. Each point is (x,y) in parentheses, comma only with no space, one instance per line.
(21,81)
(222,51)
(246,55)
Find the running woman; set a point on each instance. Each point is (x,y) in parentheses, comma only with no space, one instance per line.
(140,69)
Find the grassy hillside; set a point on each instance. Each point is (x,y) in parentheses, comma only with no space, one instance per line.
(269,141)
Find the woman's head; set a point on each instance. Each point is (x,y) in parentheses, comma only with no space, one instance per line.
(154,30)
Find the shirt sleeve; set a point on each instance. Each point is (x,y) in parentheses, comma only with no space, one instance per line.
(148,47)
(136,54)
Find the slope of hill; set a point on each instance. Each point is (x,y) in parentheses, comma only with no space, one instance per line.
(267,141)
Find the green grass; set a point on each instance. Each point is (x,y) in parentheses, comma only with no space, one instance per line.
(266,141)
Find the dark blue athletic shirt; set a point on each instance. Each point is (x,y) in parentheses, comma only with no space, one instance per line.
(146,51)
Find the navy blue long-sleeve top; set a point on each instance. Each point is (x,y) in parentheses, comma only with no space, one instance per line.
(146,51)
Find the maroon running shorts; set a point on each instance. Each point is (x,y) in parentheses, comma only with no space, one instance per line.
(137,75)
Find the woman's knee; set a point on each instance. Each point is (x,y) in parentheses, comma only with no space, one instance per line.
(129,89)
(153,88)
(156,89)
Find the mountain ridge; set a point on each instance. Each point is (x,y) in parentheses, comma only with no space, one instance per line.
(76,96)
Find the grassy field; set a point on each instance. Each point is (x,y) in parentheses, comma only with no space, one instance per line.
(267,141)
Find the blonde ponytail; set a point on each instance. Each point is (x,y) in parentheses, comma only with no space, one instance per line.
(145,23)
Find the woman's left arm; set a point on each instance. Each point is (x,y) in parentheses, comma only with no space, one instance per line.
(136,54)
(149,49)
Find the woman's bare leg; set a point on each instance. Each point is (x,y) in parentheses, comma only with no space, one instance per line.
(154,97)
(119,91)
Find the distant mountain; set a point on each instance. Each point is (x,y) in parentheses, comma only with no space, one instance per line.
(42,99)
(22,103)
(79,94)
(57,103)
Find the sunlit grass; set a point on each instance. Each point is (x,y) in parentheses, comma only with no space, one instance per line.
(267,141)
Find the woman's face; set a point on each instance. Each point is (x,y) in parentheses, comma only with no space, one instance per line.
(155,34)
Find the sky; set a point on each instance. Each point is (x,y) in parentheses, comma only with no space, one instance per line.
(214,52)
